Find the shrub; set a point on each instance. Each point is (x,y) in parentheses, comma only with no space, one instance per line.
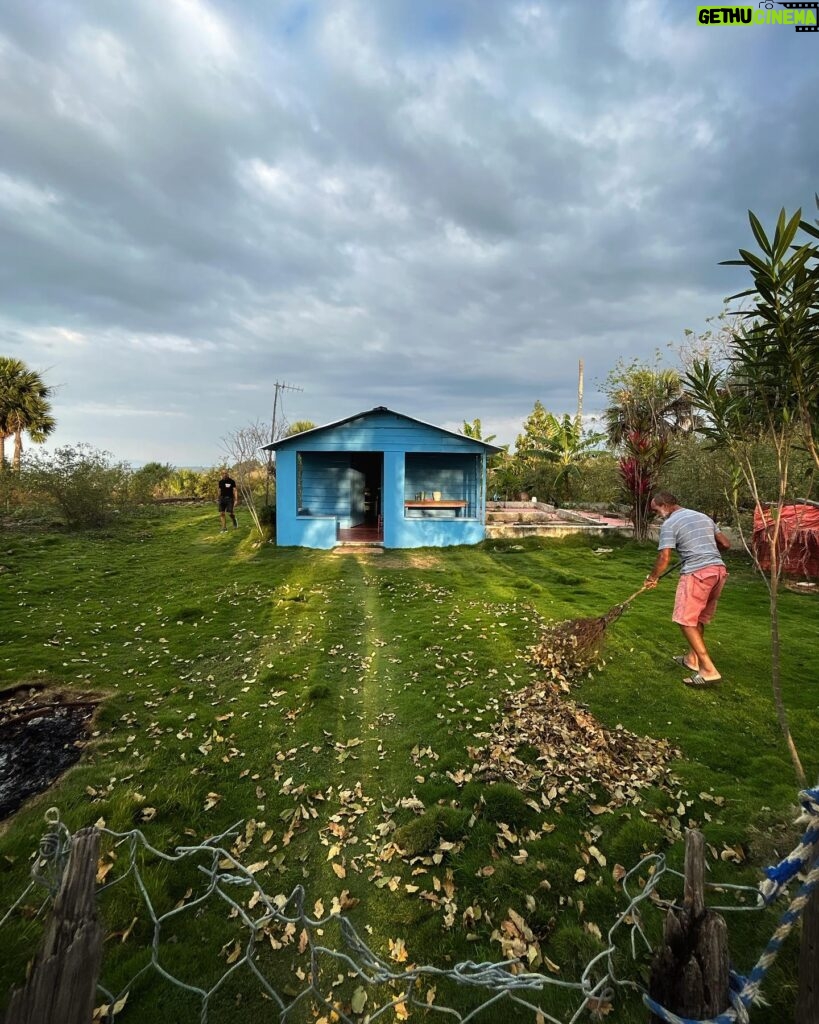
(83,483)
(150,481)
(11,493)
(702,478)
(191,483)
(599,481)
(267,515)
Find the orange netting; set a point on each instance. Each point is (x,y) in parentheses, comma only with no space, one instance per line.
(798,539)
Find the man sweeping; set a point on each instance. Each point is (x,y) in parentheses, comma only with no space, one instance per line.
(698,542)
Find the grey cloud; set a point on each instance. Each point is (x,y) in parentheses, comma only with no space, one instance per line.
(439,208)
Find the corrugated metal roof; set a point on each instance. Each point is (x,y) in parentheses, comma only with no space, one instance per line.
(379,409)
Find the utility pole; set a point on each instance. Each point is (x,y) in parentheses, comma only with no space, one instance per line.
(278,387)
(579,392)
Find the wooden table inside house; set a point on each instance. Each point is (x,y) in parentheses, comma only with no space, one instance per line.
(456,505)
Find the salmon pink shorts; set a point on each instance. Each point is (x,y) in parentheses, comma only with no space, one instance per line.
(697,595)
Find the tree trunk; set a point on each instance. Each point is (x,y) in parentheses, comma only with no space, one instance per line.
(776,677)
(18,448)
(2,452)
(807,1002)
(63,981)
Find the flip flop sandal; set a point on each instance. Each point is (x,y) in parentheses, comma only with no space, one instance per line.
(679,659)
(697,682)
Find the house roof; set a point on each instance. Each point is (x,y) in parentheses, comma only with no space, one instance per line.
(378,410)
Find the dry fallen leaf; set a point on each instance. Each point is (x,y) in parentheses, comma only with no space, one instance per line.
(398,950)
(108,1010)
(599,1008)
(102,870)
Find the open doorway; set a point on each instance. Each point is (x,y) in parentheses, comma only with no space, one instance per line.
(366,509)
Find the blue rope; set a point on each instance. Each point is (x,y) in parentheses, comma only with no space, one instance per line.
(743,991)
(780,874)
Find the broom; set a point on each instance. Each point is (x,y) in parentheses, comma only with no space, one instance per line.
(566,648)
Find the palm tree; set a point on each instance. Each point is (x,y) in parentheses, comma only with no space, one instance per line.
(299,427)
(651,402)
(564,444)
(475,431)
(648,410)
(24,407)
(494,463)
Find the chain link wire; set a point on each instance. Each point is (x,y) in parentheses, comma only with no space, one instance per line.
(382,987)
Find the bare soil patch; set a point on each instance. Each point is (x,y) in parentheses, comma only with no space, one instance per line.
(42,733)
(408,561)
(348,549)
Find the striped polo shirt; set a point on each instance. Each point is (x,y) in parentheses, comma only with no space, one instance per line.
(692,535)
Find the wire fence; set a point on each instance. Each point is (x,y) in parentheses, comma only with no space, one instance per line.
(349,982)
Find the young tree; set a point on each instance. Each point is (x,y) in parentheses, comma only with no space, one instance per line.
(524,466)
(769,389)
(534,426)
(24,407)
(243,447)
(774,370)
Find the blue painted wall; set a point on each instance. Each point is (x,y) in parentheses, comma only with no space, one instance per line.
(455,476)
(329,487)
(325,483)
(381,432)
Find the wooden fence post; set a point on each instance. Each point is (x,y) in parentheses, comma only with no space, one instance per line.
(62,985)
(689,975)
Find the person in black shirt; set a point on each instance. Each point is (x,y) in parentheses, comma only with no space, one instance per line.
(228,499)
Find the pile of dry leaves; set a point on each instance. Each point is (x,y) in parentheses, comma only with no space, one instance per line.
(574,752)
(567,751)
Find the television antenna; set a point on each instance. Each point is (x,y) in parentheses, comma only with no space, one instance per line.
(278,388)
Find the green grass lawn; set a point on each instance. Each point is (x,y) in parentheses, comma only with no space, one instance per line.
(329,702)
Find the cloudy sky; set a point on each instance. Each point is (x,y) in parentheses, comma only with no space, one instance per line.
(434,205)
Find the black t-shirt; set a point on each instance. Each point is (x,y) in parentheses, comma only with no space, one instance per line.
(227,488)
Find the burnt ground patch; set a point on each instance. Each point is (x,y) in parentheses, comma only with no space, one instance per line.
(42,733)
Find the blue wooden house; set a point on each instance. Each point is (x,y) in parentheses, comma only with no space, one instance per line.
(380,477)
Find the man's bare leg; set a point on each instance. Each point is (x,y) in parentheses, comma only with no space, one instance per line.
(690,659)
(697,649)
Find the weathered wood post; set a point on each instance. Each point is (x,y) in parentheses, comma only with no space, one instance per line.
(63,980)
(689,975)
